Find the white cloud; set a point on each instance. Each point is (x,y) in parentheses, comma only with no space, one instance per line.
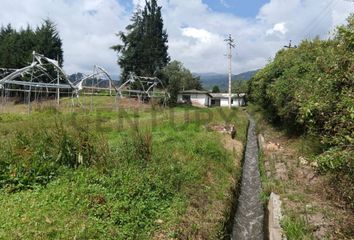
(277,28)
(137,3)
(87,28)
(202,35)
(196,32)
(257,39)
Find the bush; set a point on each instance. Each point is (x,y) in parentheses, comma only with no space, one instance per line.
(337,159)
(340,161)
(309,90)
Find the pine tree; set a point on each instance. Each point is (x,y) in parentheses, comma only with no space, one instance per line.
(25,45)
(144,48)
(7,47)
(49,42)
(16,47)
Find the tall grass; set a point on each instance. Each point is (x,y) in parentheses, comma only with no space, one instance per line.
(33,154)
(296,228)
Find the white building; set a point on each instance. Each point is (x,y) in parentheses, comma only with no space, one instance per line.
(222,100)
(195,97)
(207,99)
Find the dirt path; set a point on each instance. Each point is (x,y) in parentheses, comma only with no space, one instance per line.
(308,204)
(249,215)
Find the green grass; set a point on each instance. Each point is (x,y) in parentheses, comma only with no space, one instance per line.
(159,178)
(296,228)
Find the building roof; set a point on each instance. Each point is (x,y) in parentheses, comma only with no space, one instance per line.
(213,95)
(226,95)
(194,91)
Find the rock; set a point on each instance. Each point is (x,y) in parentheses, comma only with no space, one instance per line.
(281,171)
(261,141)
(274,217)
(272,146)
(159,221)
(314,164)
(47,220)
(303,161)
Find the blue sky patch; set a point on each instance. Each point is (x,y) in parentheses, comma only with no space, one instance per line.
(241,8)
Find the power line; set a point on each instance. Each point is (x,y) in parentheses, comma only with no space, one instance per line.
(319,18)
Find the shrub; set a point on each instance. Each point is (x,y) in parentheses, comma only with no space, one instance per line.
(337,159)
(309,90)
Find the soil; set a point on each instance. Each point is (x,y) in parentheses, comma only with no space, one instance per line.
(303,191)
(131,103)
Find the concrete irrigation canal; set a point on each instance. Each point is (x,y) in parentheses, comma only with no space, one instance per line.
(249,218)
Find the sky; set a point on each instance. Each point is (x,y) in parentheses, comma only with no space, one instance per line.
(196,28)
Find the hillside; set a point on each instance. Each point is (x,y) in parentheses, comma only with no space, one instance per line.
(211,79)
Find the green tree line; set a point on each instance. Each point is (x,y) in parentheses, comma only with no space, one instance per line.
(16,47)
(309,90)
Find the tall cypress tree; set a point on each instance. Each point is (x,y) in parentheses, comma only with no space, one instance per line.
(144,45)
(130,49)
(49,42)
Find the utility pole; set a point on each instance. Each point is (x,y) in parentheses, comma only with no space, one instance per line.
(290,45)
(231,45)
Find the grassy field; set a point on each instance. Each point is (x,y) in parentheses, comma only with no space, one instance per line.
(142,172)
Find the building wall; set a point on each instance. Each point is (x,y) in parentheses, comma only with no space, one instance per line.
(179,98)
(199,99)
(237,102)
(205,100)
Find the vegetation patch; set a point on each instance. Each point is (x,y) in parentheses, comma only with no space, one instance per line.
(64,176)
(309,91)
(296,227)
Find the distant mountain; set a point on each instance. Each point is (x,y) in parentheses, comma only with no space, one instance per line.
(115,77)
(245,76)
(209,80)
(74,78)
(104,83)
